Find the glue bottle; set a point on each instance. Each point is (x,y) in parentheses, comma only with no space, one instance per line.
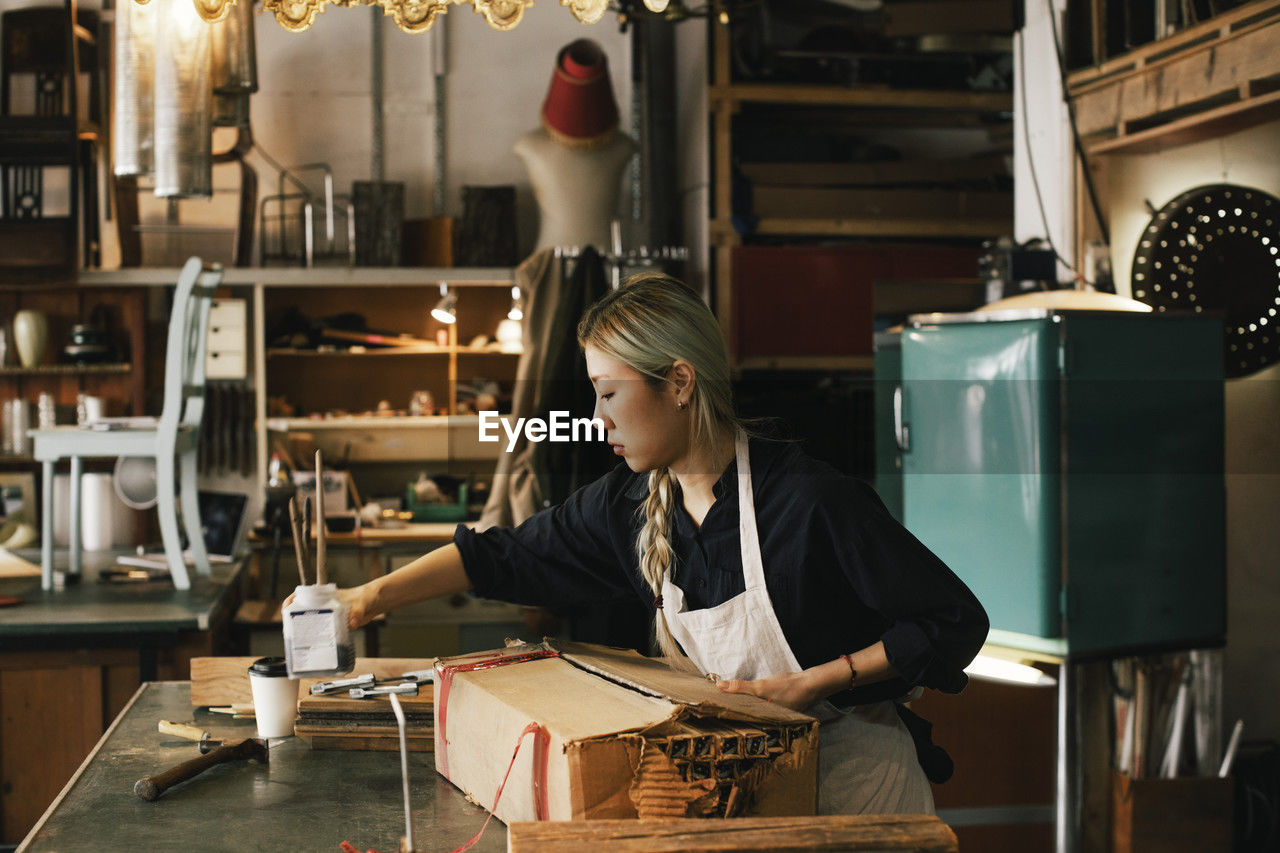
(317,642)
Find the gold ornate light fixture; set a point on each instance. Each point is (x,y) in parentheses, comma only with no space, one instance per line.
(412,16)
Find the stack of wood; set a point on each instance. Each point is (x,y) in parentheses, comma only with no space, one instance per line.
(340,722)
(335,721)
(914,833)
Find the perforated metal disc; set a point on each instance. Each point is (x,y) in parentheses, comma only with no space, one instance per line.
(1217,248)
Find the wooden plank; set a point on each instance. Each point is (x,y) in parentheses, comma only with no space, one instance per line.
(921,833)
(861,96)
(364,742)
(892,172)
(822,202)
(50,719)
(880,226)
(1209,124)
(225,680)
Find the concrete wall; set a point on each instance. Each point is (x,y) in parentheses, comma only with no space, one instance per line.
(1252,679)
(315,104)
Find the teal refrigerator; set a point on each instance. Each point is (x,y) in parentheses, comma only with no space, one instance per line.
(1068,465)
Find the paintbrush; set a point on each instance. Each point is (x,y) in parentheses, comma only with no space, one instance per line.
(299,540)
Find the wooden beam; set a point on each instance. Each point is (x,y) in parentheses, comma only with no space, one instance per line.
(919,833)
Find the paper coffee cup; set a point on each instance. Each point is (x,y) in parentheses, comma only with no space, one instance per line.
(275,697)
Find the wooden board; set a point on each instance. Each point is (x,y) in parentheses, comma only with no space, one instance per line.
(921,833)
(225,680)
(956,169)
(325,738)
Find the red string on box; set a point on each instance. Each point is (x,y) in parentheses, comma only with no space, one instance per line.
(542,743)
(489,661)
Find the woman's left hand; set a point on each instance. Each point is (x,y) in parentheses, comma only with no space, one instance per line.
(793,690)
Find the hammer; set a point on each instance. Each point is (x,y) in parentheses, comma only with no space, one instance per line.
(151,787)
(189,732)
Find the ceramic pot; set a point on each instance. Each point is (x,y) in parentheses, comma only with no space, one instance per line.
(30,333)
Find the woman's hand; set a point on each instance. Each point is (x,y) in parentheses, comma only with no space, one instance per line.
(794,690)
(360,604)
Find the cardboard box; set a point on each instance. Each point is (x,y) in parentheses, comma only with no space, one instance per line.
(604,733)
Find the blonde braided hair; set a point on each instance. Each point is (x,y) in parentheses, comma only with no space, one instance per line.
(649,323)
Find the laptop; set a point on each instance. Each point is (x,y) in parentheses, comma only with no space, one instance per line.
(222,517)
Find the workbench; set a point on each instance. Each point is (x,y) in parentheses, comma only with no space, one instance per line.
(304,800)
(70,659)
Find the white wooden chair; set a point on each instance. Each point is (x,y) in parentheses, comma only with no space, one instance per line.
(172,440)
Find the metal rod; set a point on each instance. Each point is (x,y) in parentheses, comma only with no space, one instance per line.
(404,772)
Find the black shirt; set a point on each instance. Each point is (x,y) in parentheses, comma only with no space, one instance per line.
(841,572)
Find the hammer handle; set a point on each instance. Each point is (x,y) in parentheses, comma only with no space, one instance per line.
(151,787)
(182,730)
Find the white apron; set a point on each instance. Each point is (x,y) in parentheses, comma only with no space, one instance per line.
(866,759)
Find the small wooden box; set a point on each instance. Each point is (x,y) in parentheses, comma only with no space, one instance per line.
(1171,815)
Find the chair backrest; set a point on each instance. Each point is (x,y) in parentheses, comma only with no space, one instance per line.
(184,368)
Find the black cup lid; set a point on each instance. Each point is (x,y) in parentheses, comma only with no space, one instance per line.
(271,667)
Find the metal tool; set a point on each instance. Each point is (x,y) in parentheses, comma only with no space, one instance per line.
(322,687)
(151,787)
(406,689)
(420,676)
(404,773)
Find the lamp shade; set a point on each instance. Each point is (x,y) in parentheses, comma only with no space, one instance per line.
(183,103)
(134,89)
(579,110)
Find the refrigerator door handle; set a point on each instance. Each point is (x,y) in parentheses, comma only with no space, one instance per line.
(901,429)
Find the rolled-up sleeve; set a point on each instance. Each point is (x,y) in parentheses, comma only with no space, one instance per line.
(561,557)
(935,624)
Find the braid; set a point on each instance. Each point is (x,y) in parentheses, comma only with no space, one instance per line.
(656,554)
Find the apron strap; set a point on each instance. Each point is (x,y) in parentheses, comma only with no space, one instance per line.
(752,563)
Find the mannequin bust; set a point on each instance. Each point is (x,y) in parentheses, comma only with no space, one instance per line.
(575,161)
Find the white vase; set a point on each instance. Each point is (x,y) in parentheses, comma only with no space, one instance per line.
(30,333)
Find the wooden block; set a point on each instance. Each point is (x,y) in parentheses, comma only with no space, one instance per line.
(1171,815)
(363,742)
(225,680)
(920,833)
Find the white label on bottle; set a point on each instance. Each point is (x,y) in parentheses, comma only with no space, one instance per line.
(314,640)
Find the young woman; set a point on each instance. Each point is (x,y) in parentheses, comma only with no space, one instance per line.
(773,573)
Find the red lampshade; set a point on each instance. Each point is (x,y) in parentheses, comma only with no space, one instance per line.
(579,110)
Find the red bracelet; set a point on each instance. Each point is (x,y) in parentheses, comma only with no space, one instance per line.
(853,673)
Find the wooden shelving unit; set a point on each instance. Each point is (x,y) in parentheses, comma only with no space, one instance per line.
(1205,81)
(66,370)
(797,202)
(354,381)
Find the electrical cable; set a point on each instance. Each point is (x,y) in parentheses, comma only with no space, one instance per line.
(1031,162)
(1075,133)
